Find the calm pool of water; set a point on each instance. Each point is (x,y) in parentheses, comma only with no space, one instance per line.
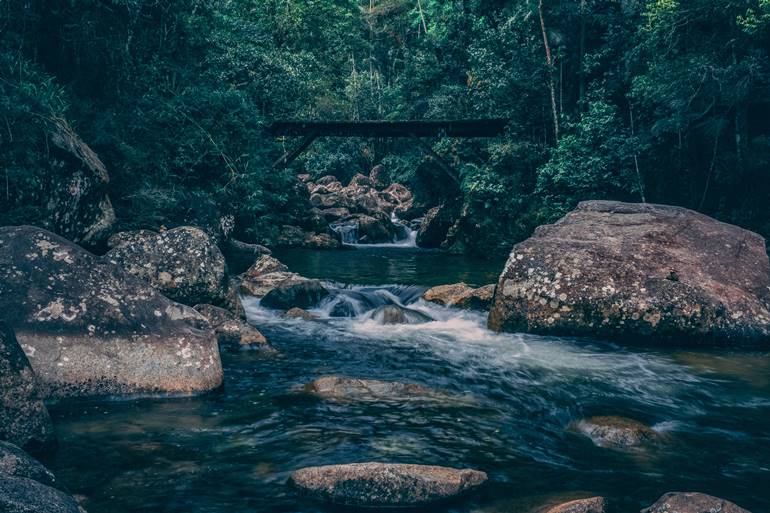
(233,450)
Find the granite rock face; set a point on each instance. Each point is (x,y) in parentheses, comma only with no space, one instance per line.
(385,484)
(24,419)
(639,272)
(91,329)
(183,263)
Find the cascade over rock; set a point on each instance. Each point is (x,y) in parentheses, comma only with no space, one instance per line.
(91,329)
(639,271)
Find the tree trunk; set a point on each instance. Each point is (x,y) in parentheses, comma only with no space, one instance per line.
(549,63)
(581,59)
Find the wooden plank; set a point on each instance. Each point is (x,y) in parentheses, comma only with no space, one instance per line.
(447,128)
(289,157)
(439,160)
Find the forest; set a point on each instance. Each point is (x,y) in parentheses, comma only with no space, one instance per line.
(662,101)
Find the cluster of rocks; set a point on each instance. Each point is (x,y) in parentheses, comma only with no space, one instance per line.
(363,211)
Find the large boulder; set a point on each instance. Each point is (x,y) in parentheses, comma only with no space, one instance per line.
(461,295)
(638,271)
(79,207)
(14,462)
(434,226)
(24,419)
(184,264)
(91,329)
(693,502)
(382,485)
(295,292)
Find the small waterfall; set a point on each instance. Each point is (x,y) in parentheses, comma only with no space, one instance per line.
(404,237)
(348,232)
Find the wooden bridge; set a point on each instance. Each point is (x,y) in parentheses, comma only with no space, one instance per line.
(415,130)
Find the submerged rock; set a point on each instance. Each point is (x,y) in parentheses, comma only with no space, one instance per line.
(461,296)
(591,505)
(298,313)
(618,432)
(395,314)
(638,271)
(692,502)
(385,484)
(233,334)
(341,388)
(184,264)
(91,329)
(24,419)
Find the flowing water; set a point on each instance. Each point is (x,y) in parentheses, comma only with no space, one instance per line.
(507,402)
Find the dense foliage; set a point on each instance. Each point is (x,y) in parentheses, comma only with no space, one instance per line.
(657,100)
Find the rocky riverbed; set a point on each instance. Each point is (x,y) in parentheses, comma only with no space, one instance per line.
(303,380)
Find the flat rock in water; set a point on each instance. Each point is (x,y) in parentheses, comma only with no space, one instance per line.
(298,313)
(91,329)
(184,264)
(24,419)
(395,314)
(590,505)
(295,292)
(641,272)
(341,388)
(233,333)
(619,432)
(461,296)
(385,484)
(693,502)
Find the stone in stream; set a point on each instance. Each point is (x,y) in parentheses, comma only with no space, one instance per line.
(298,313)
(14,462)
(692,502)
(24,419)
(295,292)
(638,271)
(434,226)
(183,263)
(91,329)
(590,505)
(617,432)
(385,484)
(341,388)
(461,296)
(395,314)
(24,495)
(233,333)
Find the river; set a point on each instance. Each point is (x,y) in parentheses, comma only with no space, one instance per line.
(510,400)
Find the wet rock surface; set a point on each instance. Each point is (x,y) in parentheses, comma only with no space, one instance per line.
(298,313)
(617,432)
(14,462)
(590,505)
(233,333)
(434,226)
(23,495)
(395,314)
(640,272)
(24,419)
(342,388)
(183,263)
(91,329)
(385,484)
(461,296)
(693,502)
(295,292)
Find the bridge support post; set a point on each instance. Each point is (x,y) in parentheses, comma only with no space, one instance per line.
(291,156)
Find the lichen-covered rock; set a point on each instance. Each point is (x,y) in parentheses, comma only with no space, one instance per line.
(693,502)
(617,432)
(461,296)
(233,334)
(24,495)
(352,389)
(14,462)
(385,484)
(91,329)
(240,255)
(79,207)
(24,419)
(590,505)
(264,265)
(184,264)
(638,271)
(130,237)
